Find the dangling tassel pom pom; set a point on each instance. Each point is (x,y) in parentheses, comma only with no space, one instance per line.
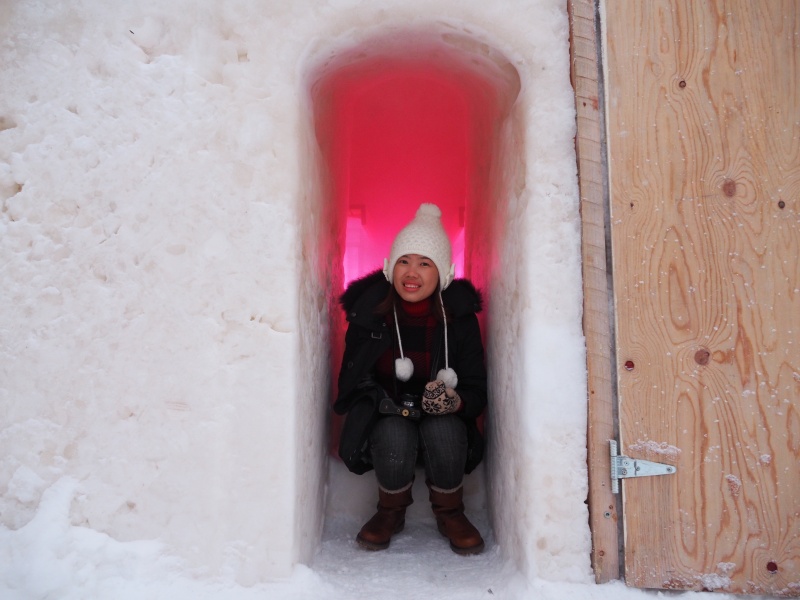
(449,377)
(403,368)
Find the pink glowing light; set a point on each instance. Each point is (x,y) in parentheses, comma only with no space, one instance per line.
(397,132)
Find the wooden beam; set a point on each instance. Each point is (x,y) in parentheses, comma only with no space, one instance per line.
(603,515)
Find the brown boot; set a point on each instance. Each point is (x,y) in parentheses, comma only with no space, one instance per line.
(390,519)
(448,506)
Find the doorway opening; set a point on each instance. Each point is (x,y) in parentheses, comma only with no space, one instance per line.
(401,119)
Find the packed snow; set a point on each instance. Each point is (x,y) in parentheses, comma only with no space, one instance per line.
(50,558)
(159,438)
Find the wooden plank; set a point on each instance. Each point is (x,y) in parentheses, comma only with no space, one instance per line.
(704,143)
(596,322)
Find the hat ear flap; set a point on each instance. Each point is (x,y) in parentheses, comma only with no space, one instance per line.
(386,272)
(448,279)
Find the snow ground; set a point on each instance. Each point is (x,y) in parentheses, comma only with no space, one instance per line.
(49,559)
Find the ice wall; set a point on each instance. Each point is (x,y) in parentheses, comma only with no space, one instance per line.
(167,274)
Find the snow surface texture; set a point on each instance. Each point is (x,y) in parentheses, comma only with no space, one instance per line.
(50,558)
(161,364)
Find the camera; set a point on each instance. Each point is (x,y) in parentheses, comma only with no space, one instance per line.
(406,406)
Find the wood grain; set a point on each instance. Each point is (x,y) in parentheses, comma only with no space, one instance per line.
(704,147)
(603,513)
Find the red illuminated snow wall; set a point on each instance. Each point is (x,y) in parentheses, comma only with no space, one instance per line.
(408,120)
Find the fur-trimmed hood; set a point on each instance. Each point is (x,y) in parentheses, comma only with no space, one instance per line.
(461,296)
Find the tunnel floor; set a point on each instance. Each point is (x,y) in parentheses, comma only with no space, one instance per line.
(418,563)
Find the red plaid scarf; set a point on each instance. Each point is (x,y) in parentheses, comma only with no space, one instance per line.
(417,328)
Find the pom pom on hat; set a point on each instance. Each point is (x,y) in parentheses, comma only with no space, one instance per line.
(424,235)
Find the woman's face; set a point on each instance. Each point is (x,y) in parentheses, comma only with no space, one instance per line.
(415,277)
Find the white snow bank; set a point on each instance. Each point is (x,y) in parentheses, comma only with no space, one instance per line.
(50,558)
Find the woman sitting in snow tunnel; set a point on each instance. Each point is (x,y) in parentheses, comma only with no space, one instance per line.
(413,383)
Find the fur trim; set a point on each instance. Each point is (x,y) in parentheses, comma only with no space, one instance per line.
(356,289)
(402,489)
(461,297)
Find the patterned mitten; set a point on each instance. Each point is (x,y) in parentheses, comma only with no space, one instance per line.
(440,400)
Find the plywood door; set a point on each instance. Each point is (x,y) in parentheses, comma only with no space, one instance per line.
(704,158)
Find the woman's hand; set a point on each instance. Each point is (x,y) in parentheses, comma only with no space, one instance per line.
(440,400)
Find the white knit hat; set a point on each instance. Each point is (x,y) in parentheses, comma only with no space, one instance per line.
(425,236)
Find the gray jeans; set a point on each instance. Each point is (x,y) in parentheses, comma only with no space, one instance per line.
(395,443)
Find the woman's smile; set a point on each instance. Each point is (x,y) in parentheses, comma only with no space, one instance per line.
(415,277)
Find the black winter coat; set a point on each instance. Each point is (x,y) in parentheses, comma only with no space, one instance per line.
(369,336)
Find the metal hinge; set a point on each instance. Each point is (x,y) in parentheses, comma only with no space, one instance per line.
(623,467)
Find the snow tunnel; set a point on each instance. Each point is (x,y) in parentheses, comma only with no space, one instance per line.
(405,118)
